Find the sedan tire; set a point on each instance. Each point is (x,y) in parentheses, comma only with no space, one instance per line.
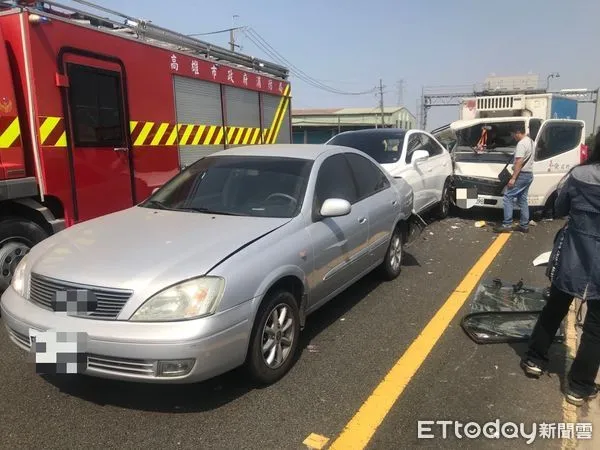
(392,264)
(274,339)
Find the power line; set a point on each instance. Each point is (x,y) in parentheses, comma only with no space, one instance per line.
(226,30)
(263,45)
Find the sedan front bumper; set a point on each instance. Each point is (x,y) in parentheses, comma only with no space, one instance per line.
(139,351)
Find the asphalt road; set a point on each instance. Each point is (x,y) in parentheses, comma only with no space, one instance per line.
(348,348)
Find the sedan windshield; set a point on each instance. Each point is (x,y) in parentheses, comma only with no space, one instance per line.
(237,185)
(385,149)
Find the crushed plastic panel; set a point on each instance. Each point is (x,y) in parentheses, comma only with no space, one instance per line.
(502,312)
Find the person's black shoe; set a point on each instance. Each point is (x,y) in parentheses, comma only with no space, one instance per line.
(521,229)
(502,229)
(531,369)
(578,400)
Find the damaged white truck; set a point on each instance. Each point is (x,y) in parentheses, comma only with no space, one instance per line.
(482,144)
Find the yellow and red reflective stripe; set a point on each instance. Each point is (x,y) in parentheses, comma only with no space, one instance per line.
(154,134)
(10,132)
(52,132)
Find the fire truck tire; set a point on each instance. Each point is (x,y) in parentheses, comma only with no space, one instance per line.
(17,236)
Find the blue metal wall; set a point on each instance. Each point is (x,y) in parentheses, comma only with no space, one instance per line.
(563,108)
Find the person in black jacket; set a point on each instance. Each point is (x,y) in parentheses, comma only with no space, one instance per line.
(574,272)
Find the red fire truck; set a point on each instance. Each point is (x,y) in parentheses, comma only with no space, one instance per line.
(95,113)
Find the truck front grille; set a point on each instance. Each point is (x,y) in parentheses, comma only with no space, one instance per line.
(110,301)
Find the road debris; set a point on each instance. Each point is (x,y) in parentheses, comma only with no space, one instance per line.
(480,223)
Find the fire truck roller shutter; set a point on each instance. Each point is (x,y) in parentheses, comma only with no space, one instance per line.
(276,118)
(198,102)
(243,116)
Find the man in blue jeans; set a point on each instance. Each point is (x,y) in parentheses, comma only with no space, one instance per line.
(518,185)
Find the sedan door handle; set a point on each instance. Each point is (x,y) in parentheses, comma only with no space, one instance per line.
(362,220)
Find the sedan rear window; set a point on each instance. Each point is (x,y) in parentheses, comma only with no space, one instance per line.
(383,149)
(234,185)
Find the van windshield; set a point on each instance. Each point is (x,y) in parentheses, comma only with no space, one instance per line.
(487,141)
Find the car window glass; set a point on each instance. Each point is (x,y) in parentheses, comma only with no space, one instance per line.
(432,146)
(491,137)
(369,178)
(335,181)
(385,149)
(414,143)
(557,138)
(534,127)
(246,186)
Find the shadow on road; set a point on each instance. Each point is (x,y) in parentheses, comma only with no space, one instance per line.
(557,360)
(214,393)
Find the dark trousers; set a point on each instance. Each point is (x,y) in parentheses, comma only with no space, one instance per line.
(587,361)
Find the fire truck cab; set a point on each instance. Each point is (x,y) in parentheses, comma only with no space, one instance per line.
(95,113)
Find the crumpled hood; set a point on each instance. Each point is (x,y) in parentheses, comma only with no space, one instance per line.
(134,247)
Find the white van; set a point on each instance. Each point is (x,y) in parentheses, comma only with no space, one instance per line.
(481,148)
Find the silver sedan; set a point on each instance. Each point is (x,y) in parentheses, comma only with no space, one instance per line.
(217,269)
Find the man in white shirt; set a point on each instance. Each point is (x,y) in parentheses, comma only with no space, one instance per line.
(518,185)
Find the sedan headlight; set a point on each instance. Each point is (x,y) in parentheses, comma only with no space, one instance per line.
(19,280)
(188,300)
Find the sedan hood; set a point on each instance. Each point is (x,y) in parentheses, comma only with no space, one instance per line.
(132,248)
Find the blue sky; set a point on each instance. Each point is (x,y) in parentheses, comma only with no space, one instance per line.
(351,44)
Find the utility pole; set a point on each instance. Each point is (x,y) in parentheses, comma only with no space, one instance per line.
(232,44)
(381,102)
(400,92)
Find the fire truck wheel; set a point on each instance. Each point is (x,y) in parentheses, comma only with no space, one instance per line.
(17,236)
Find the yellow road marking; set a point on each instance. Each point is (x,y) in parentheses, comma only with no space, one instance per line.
(361,428)
(315,441)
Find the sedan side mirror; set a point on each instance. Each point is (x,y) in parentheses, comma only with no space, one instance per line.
(335,207)
(420,155)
